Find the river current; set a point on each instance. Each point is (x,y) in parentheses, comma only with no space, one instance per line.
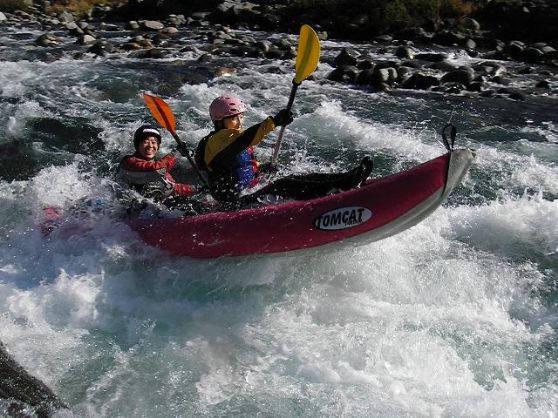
(456,316)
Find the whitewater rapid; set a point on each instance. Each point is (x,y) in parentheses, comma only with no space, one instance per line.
(455,317)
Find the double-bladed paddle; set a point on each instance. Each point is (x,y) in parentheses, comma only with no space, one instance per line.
(307,57)
(162,113)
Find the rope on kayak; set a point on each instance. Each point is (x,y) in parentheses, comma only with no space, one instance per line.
(453,131)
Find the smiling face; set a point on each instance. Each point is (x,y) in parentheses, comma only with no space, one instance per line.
(148,147)
(233,122)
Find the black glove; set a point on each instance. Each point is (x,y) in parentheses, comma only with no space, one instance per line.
(268,168)
(182,149)
(283,118)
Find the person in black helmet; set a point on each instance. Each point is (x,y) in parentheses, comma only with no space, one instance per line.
(145,174)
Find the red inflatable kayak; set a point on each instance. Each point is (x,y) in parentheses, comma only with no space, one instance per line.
(379,209)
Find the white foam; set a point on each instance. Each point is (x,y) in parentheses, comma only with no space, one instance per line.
(59,186)
(508,226)
(510,170)
(333,124)
(441,320)
(15,77)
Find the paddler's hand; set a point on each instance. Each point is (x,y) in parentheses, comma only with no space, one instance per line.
(283,118)
(268,168)
(182,149)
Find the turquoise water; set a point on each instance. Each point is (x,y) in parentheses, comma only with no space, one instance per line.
(455,317)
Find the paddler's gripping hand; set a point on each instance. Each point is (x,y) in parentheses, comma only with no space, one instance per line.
(283,118)
(268,168)
(182,149)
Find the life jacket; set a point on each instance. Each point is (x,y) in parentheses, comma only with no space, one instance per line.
(246,169)
(152,184)
(199,155)
(242,173)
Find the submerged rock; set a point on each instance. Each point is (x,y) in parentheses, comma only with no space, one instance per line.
(22,390)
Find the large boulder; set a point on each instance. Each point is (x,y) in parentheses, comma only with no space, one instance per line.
(420,81)
(463,76)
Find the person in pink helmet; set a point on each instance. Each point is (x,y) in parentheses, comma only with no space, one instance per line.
(227,156)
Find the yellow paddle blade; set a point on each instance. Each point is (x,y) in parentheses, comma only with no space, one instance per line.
(307,54)
(160,111)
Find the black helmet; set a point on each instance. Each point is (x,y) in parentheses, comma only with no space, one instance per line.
(143,132)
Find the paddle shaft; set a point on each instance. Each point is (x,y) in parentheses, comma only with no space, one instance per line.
(187,155)
(159,112)
(282,131)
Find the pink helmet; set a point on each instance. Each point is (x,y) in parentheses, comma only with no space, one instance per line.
(224,106)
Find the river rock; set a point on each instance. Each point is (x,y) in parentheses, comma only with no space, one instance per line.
(500,80)
(420,81)
(489,68)
(386,75)
(515,49)
(451,87)
(85,39)
(74,29)
(143,42)
(205,58)
(403,71)
(3,17)
(169,30)
(155,53)
(236,11)
(177,20)
(548,51)
(404,52)
(385,39)
(132,25)
(131,46)
(462,76)
(469,44)
(490,43)
(448,38)
(47,39)
(344,74)
(346,57)
(411,64)
(431,56)
(526,70)
(110,27)
(66,17)
(366,62)
(518,95)
(151,25)
(477,86)
(512,93)
(531,54)
(264,46)
(470,24)
(101,48)
(365,77)
(415,34)
(444,65)
(274,52)
(19,389)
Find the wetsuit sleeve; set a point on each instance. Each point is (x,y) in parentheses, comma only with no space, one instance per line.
(180,189)
(227,143)
(183,189)
(134,163)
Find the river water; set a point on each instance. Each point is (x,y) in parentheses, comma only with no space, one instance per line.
(455,317)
